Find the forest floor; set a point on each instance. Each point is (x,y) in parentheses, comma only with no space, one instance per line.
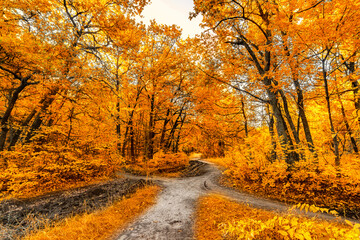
(20,216)
(172,217)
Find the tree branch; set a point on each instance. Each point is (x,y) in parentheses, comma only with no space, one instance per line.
(234,87)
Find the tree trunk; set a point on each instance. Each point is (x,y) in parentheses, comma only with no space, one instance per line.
(347,125)
(173,129)
(7,114)
(18,132)
(273,140)
(49,99)
(151,133)
(355,85)
(288,117)
(176,147)
(163,131)
(285,140)
(245,117)
(333,133)
(301,108)
(300,101)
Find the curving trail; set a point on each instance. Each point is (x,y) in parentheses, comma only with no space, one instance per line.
(172,217)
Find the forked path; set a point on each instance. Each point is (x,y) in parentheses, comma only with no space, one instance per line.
(172,217)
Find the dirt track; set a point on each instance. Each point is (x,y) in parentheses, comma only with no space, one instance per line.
(172,217)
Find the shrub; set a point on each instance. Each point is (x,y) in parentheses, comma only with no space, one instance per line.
(219,218)
(162,163)
(305,182)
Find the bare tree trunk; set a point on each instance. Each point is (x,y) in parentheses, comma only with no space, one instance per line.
(49,99)
(163,131)
(355,85)
(245,117)
(301,108)
(327,96)
(273,140)
(71,116)
(288,117)
(9,109)
(176,147)
(300,101)
(118,126)
(285,140)
(171,137)
(28,119)
(347,125)
(151,132)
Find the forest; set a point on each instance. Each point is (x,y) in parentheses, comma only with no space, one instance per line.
(268,93)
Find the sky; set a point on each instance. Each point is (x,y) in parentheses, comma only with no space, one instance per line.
(173,12)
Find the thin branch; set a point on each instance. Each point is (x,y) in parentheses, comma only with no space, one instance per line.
(307,9)
(234,87)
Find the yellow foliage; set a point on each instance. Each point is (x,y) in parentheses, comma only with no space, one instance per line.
(101,224)
(165,164)
(219,218)
(318,185)
(38,168)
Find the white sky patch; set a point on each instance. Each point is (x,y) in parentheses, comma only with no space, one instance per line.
(172,12)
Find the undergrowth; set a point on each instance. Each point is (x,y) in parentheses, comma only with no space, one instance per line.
(47,166)
(219,218)
(319,184)
(162,164)
(101,224)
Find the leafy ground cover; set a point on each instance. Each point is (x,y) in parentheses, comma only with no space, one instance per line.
(321,184)
(220,218)
(162,164)
(32,171)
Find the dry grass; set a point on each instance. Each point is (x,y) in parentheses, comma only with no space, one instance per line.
(101,224)
(219,218)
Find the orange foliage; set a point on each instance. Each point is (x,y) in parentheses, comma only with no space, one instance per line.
(48,166)
(101,224)
(219,218)
(164,164)
(304,182)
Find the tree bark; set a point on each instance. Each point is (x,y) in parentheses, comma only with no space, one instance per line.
(332,129)
(151,132)
(176,147)
(245,117)
(347,125)
(301,108)
(9,109)
(49,99)
(288,117)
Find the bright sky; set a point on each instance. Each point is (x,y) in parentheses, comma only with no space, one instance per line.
(173,12)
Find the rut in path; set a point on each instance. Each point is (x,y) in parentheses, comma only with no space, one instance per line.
(172,217)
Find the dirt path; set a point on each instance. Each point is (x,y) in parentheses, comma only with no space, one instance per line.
(172,217)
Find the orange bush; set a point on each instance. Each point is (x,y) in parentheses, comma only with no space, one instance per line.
(305,182)
(219,218)
(37,168)
(162,163)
